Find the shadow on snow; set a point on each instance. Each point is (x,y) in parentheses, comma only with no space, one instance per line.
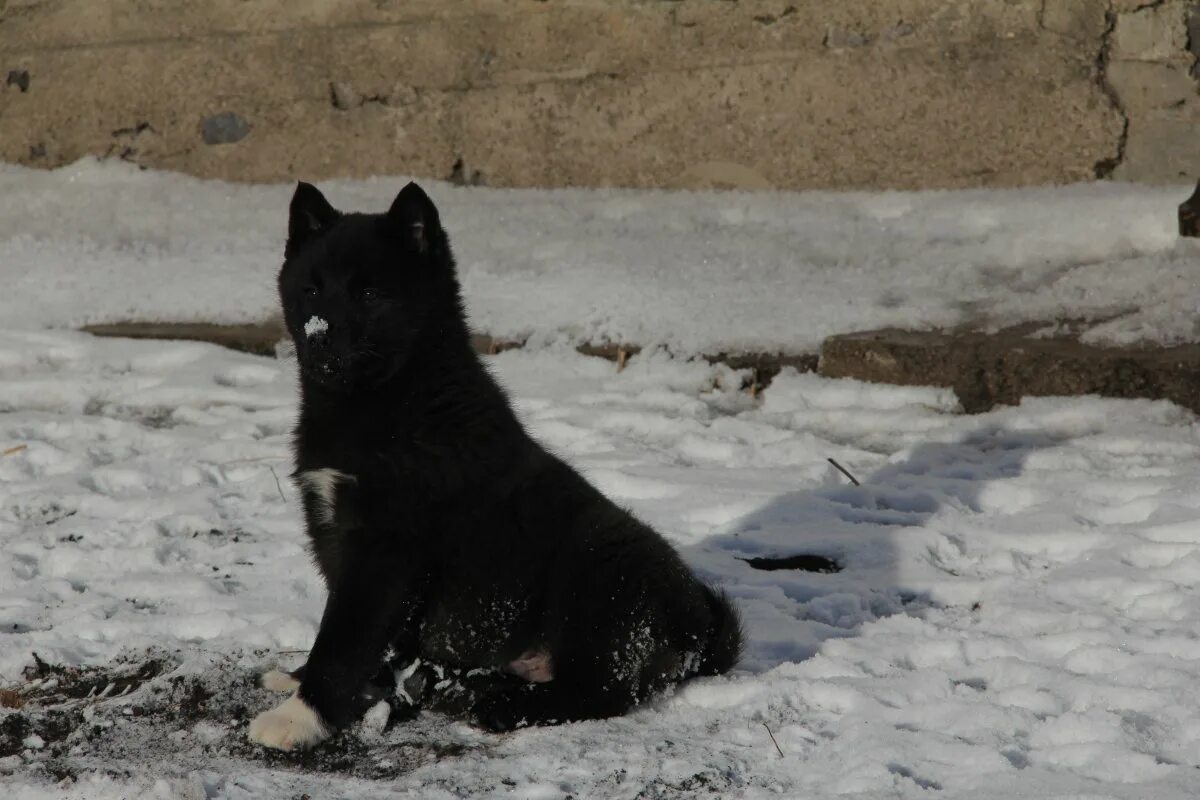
(861,529)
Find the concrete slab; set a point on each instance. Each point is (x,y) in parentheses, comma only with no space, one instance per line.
(986,370)
(262,339)
(258,338)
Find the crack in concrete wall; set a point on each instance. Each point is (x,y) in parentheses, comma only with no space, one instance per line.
(1107,166)
(1149,72)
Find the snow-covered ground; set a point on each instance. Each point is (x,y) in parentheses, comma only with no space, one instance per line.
(1017,616)
(700,272)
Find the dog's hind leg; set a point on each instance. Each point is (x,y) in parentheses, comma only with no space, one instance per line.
(606,675)
(609,657)
(602,691)
(547,704)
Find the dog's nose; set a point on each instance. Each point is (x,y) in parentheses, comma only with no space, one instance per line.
(320,347)
(321,354)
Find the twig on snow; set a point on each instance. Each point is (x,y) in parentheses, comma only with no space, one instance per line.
(842,470)
(12,451)
(278,485)
(274,474)
(253,460)
(777,747)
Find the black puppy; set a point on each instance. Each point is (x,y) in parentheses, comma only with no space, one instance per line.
(443,531)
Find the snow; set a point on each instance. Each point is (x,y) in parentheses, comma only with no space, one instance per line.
(700,272)
(314,326)
(1017,615)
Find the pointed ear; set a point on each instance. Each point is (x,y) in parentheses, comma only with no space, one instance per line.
(414,217)
(309,216)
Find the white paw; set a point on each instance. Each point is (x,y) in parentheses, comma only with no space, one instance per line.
(292,725)
(278,681)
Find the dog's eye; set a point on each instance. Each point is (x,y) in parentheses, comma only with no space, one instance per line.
(371,296)
(311,291)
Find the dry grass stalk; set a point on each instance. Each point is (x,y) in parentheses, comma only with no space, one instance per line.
(843,470)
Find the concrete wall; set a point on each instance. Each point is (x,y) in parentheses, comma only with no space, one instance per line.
(650,93)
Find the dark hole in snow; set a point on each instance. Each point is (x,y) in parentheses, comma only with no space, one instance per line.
(804,563)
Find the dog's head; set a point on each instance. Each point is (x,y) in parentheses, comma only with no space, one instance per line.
(358,289)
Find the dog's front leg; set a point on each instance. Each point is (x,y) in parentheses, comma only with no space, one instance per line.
(376,603)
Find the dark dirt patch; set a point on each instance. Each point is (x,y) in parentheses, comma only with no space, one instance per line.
(13,730)
(53,703)
(190,697)
(49,684)
(42,513)
(52,727)
(159,714)
(702,784)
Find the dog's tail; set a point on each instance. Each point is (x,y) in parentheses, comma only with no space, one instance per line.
(725,638)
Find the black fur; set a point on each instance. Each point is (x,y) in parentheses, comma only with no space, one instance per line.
(454,537)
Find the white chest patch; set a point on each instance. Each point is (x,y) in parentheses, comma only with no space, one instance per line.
(322,485)
(290,725)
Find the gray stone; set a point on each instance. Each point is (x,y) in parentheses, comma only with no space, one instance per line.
(224,128)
